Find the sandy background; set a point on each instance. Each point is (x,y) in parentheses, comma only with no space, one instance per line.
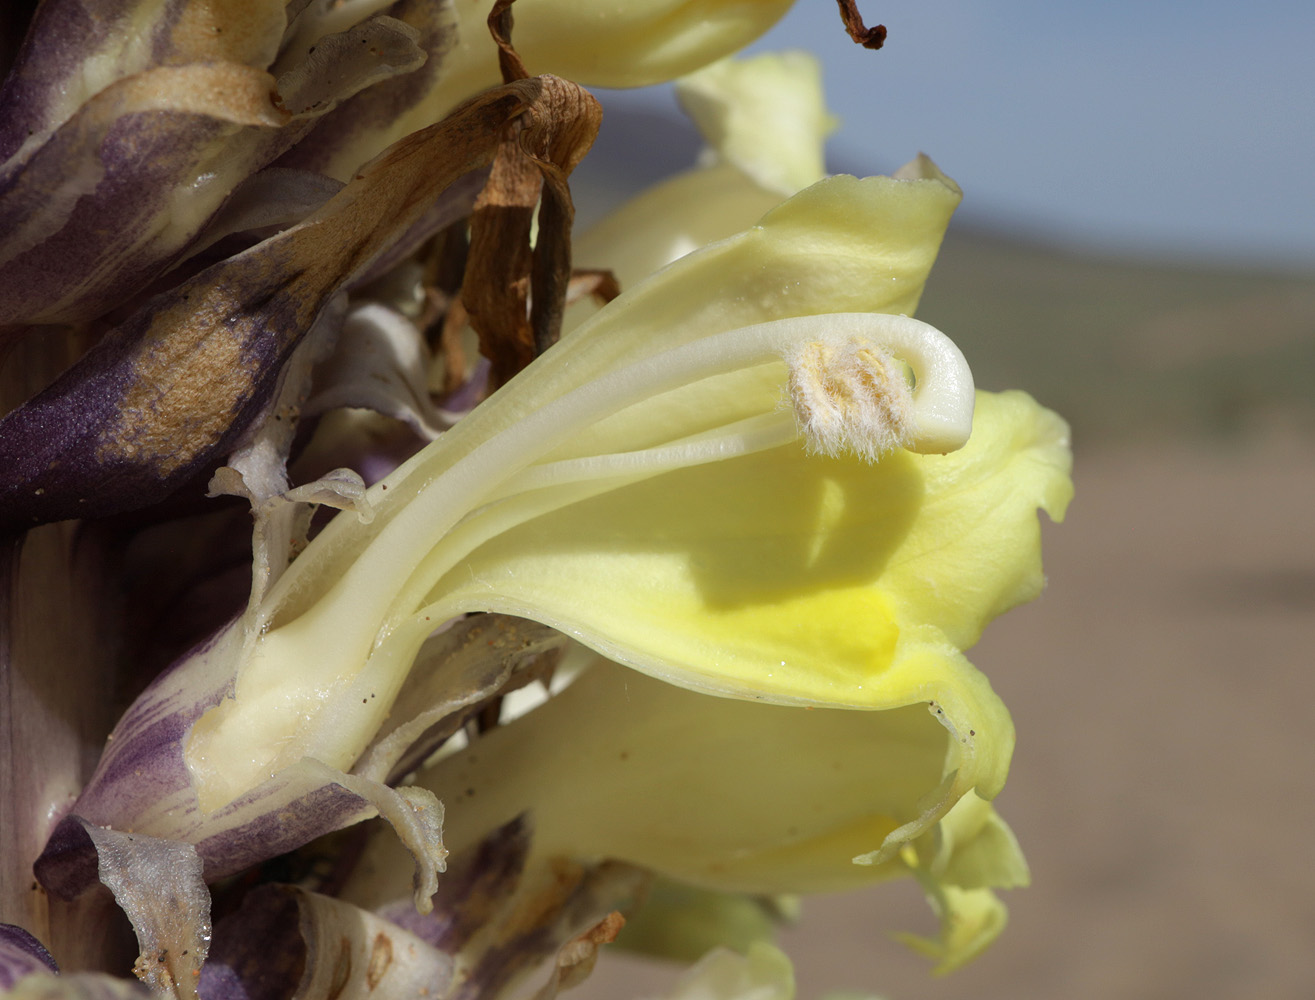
(1162,787)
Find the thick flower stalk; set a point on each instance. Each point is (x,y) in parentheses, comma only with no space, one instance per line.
(739,525)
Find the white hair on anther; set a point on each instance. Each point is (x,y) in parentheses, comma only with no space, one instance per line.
(850,396)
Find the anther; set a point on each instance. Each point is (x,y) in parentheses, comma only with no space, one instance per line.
(850,396)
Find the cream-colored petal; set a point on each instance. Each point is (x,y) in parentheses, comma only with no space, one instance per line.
(762,973)
(971,919)
(717,792)
(681,923)
(765,115)
(671,219)
(800,579)
(764,122)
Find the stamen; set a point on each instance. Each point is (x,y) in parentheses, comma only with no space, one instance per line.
(743,437)
(850,397)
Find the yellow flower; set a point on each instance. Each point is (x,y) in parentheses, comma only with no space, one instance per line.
(688,370)
(790,578)
(777,577)
(768,507)
(776,574)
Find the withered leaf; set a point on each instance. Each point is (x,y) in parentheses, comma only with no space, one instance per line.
(532,167)
(496,290)
(500,23)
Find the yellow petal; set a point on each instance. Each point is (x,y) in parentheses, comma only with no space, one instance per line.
(716,792)
(973,849)
(970,920)
(765,114)
(802,579)
(682,923)
(671,219)
(764,122)
(971,852)
(762,973)
(842,245)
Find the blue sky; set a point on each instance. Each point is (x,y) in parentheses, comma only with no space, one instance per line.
(1151,127)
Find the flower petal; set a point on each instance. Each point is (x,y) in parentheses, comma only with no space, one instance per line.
(764,114)
(285,941)
(457,671)
(679,922)
(173,387)
(504,933)
(669,220)
(479,883)
(762,973)
(142,784)
(381,363)
(802,579)
(764,123)
(72,52)
(844,244)
(349,135)
(179,138)
(352,611)
(970,920)
(21,955)
(974,849)
(720,793)
(74,244)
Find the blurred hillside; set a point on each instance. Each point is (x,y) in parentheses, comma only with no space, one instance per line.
(1127,348)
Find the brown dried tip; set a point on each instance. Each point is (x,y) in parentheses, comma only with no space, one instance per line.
(500,25)
(869,38)
(598,282)
(515,296)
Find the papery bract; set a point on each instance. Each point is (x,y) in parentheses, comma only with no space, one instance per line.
(178,111)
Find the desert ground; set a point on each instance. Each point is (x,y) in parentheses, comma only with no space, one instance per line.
(1161,788)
